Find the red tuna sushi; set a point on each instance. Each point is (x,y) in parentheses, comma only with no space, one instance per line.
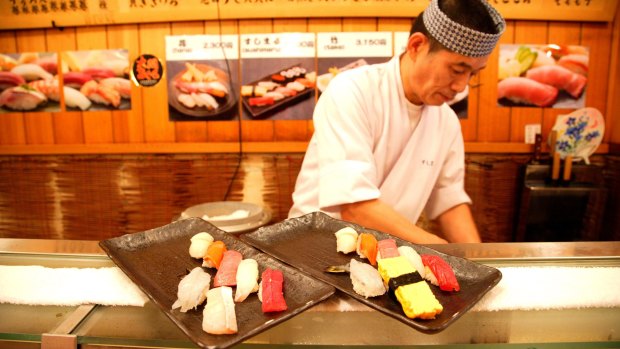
(227,273)
(560,78)
(440,273)
(271,291)
(527,91)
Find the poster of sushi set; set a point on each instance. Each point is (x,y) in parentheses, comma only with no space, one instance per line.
(202,73)
(79,81)
(29,82)
(277,76)
(217,289)
(543,76)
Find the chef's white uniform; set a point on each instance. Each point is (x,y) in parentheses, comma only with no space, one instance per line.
(365,148)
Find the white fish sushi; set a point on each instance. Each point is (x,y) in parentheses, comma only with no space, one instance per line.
(346,240)
(75,98)
(186,100)
(366,279)
(21,98)
(31,71)
(199,245)
(205,100)
(247,279)
(414,258)
(192,290)
(219,316)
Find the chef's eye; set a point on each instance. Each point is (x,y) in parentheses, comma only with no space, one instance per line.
(458,71)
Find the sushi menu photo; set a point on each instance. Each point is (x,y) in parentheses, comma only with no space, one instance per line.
(544,76)
(29,82)
(202,72)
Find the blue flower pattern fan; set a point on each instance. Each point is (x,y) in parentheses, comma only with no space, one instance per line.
(579,133)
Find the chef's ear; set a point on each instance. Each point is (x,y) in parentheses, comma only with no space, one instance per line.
(417,43)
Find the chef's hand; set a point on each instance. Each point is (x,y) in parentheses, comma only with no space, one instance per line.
(377,215)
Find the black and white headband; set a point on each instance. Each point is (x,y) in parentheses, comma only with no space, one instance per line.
(459,38)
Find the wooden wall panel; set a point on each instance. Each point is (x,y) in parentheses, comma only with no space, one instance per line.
(224,131)
(560,33)
(189,131)
(613,95)
(68,126)
(97,124)
(597,36)
(493,121)
(157,127)
(526,33)
(128,125)
(38,127)
(12,128)
(256,130)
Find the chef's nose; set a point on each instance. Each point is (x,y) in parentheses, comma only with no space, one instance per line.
(460,82)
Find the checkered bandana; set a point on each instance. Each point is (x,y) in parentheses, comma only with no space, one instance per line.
(458,38)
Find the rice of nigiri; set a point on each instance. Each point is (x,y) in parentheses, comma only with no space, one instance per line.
(346,240)
(366,280)
(192,290)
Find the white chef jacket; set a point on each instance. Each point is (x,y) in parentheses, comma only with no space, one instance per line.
(363,148)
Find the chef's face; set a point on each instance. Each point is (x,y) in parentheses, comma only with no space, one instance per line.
(436,77)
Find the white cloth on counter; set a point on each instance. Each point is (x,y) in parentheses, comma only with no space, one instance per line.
(538,288)
(37,285)
(532,288)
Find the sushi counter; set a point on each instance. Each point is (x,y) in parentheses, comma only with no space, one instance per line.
(339,320)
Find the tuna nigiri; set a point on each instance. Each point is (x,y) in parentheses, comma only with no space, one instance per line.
(367,247)
(527,91)
(8,79)
(227,272)
(219,317)
(560,78)
(247,279)
(215,252)
(75,79)
(271,291)
(192,290)
(440,273)
(387,248)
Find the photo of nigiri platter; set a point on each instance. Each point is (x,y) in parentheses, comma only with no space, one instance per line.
(544,76)
(275,91)
(29,82)
(323,80)
(199,89)
(96,80)
(217,289)
(421,287)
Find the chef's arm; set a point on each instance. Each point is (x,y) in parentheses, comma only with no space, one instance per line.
(377,215)
(457,224)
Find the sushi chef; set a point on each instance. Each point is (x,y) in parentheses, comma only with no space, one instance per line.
(386,146)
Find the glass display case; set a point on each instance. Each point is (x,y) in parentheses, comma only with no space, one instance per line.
(338,321)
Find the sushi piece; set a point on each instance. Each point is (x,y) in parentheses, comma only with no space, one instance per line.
(260,101)
(275,95)
(192,290)
(415,296)
(527,91)
(560,78)
(187,100)
(247,279)
(99,73)
(247,91)
(271,292)
(414,258)
(307,83)
(366,280)
(75,98)
(367,247)
(31,71)
(227,272)
(100,94)
(269,85)
(288,92)
(409,288)
(205,100)
(75,79)
(346,240)
(7,62)
(440,273)
(121,85)
(214,255)
(218,316)
(49,63)
(296,85)
(199,243)
(47,87)
(577,63)
(216,89)
(387,248)
(22,98)
(9,79)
